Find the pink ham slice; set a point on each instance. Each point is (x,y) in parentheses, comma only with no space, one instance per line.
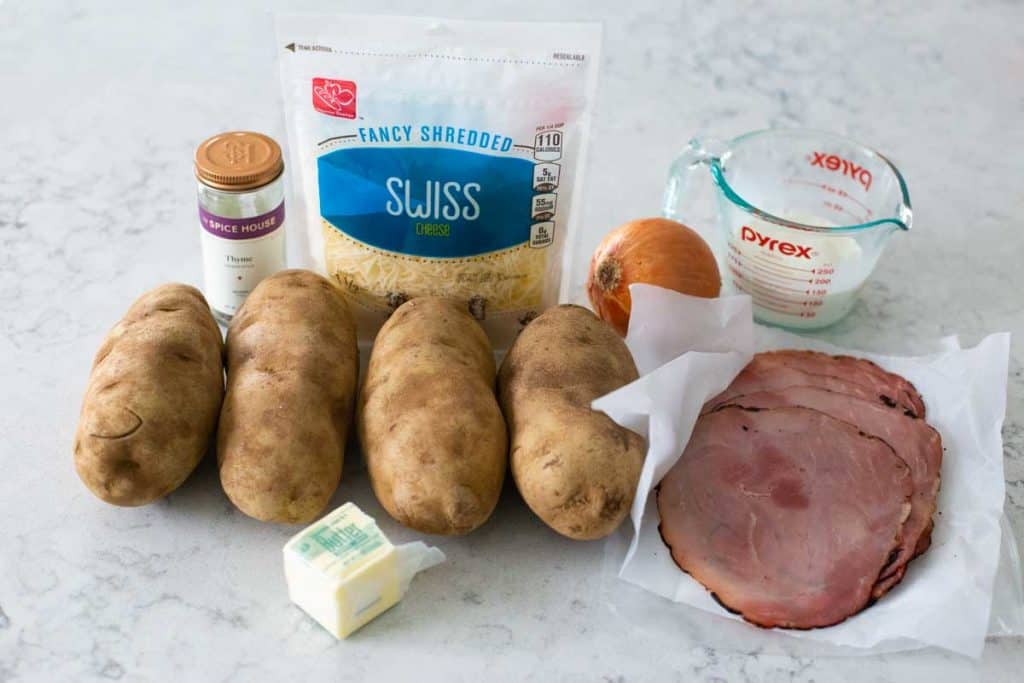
(787,515)
(913,440)
(773,370)
(894,390)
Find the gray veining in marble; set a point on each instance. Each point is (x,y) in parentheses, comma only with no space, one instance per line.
(101,104)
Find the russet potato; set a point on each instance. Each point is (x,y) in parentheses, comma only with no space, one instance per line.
(576,468)
(292,366)
(153,398)
(430,427)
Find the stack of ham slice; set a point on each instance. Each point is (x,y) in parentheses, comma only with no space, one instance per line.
(806,488)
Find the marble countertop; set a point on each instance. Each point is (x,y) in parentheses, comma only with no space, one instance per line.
(103,104)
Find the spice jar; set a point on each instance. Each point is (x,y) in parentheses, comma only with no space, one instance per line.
(241,214)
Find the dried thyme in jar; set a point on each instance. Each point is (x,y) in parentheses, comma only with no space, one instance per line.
(241,213)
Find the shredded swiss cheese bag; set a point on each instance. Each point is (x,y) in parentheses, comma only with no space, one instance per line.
(437,157)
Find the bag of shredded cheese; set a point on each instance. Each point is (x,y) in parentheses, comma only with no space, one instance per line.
(437,157)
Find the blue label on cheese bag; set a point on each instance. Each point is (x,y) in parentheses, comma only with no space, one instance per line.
(427,202)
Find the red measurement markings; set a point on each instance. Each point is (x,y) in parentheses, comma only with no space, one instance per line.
(771,278)
(769,265)
(820,276)
(780,305)
(761,297)
(839,192)
(777,286)
(779,264)
(775,267)
(777,270)
(767,291)
(771,306)
(839,208)
(767,286)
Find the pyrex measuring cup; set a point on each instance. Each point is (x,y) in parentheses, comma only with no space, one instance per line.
(805,215)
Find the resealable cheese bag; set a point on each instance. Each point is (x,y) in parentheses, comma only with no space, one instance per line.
(438,157)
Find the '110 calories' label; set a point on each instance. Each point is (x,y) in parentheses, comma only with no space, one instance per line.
(238,253)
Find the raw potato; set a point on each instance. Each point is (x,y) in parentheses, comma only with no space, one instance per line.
(432,432)
(153,396)
(292,366)
(575,468)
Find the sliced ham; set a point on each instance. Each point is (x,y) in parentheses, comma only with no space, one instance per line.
(913,440)
(901,391)
(774,370)
(891,389)
(788,515)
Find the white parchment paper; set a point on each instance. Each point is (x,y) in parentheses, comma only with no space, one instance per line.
(689,349)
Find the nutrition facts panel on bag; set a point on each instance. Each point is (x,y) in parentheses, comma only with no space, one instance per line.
(547,151)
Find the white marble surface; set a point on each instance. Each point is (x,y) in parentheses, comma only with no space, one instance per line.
(101,106)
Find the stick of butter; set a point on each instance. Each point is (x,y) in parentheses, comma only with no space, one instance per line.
(344,572)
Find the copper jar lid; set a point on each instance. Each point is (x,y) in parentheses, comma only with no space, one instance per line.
(239,160)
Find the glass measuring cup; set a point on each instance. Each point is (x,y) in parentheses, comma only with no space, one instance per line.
(804,213)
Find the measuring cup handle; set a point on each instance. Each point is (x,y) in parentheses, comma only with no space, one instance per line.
(679,190)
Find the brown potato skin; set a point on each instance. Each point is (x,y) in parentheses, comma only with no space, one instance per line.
(292,363)
(431,430)
(576,468)
(153,397)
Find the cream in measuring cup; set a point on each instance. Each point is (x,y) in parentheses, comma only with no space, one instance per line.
(804,214)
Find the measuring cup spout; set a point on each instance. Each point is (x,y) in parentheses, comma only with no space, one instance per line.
(900,221)
(680,186)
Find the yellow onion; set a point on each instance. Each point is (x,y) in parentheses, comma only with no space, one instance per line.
(654,251)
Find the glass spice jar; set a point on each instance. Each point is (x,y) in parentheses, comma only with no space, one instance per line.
(241,215)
